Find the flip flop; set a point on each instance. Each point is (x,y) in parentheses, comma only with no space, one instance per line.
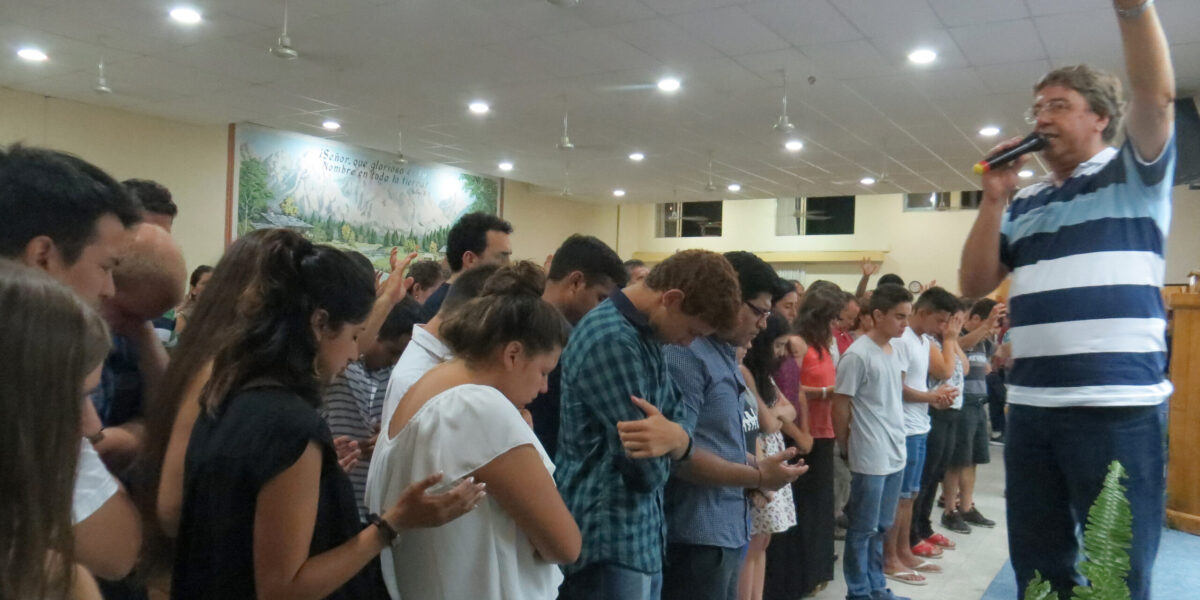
(927,567)
(908,577)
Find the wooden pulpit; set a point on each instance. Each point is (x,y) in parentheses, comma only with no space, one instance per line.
(1183,468)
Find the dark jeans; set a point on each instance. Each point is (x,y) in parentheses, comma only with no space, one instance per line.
(871,512)
(1055,463)
(694,572)
(939,448)
(997,398)
(610,582)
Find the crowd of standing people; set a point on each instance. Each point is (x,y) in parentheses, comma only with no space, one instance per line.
(296,425)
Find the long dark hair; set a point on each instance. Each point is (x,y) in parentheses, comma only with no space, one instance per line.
(815,323)
(213,324)
(52,340)
(761,360)
(273,338)
(509,309)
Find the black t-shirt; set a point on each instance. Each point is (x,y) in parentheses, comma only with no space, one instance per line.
(258,434)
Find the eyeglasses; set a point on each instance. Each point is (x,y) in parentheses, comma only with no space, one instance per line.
(1053,107)
(760,313)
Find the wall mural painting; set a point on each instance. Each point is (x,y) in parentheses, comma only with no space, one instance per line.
(351,197)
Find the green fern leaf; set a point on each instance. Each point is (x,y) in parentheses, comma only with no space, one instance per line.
(1039,589)
(1106,541)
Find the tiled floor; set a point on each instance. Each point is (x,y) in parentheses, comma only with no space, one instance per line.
(970,568)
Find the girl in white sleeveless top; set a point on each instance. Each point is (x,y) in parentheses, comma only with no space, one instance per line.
(463,419)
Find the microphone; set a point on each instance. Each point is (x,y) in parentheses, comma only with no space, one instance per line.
(1032,143)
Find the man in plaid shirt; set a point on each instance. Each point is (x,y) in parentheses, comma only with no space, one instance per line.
(615,385)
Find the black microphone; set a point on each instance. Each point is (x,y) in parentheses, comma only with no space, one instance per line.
(1032,143)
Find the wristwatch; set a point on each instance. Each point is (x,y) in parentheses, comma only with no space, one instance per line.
(1132,13)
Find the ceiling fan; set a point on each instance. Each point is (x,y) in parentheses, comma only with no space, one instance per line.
(812,215)
(566,189)
(564,142)
(101,86)
(783,125)
(283,47)
(400,158)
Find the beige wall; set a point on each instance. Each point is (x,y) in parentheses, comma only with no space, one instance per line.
(542,221)
(1183,245)
(920,245)
(189,159)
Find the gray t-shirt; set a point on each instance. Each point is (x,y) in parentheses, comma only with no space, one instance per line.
(870,375)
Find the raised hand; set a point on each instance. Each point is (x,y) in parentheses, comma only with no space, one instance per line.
(954,327)
(652,436)
(1000,183)
(396,286)
(868,267)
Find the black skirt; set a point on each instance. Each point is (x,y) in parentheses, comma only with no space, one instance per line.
(801,558)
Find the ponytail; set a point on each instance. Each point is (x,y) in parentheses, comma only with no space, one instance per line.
(274,337)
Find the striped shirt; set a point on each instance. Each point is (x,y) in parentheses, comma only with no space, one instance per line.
(352,406)
(1088,322)
(616,500)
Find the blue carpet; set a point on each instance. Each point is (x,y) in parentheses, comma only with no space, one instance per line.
(1176,571)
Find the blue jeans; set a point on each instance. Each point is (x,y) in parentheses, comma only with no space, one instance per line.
(915,446)
(606,581)
(870,513)
(1055,462)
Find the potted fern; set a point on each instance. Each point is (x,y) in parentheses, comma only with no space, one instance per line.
(1106,542)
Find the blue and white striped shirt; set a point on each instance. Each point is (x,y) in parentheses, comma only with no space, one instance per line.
(1087,262)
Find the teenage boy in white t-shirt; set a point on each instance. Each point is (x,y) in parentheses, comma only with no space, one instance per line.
(930,315)
(869,388)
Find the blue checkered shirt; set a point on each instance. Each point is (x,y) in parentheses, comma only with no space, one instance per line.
(617,501)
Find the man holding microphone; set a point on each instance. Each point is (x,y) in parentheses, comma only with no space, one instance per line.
(1085,249)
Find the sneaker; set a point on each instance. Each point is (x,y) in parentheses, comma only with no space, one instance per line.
(954,522)
(975,518)
(997,440)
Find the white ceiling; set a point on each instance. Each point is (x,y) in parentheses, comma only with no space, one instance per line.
(379,65)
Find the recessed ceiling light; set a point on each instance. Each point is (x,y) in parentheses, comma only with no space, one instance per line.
(1025,174)
(618,192)
(505,166)
(637,156)
(989,131)
(479,107)
(331,125)
(922,56)
(670,84)
(187,16)
(32,54)
(867,181)
(794,145)
(734,187)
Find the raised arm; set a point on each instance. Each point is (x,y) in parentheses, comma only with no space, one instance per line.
(1151,77)
(868,269)
(389,294)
